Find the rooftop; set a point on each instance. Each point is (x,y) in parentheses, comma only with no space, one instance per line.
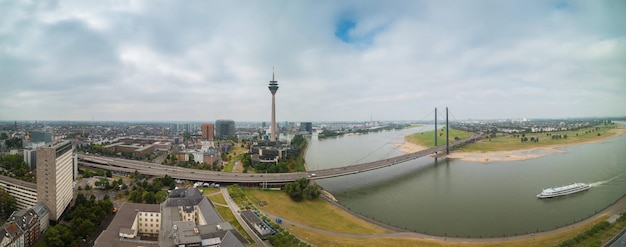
(123,220)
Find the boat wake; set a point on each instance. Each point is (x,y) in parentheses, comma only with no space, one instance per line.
(596,184)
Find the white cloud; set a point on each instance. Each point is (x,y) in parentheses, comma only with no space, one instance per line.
(202,60)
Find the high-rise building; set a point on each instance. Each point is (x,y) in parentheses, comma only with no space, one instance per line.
(306,127)
(40,136)
(273,88)
(208,132)
(54,177)
(224,128)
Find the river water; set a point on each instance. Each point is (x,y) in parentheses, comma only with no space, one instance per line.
(450,197)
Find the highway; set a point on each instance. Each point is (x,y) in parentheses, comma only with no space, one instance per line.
(130,166)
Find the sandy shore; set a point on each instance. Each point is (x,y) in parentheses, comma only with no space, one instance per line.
(515,155)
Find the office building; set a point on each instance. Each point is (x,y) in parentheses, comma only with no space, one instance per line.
(30,158)
(40,136)
(208,132)
(54,177)
(224,129)
(306,127)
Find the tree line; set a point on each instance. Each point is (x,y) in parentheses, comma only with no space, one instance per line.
(84,218)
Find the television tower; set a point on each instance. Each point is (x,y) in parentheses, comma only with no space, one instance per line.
(273,88)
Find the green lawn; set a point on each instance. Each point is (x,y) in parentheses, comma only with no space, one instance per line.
(508,142)
(217,199)
(229,166)
(318,213)
(228,216)
(208,190)
(427,138)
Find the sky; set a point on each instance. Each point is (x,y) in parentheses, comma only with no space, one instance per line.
(333,60)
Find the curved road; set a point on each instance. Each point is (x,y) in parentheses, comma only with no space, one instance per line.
(130,166)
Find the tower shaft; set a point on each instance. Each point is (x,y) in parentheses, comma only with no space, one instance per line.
(273,135)
(273,87)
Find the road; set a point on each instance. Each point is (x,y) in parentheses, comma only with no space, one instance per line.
(130,166)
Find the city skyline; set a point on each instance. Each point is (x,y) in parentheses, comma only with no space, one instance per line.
(336,61)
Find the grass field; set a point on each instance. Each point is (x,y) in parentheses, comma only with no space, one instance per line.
(320,239)
(208,190)
(508,142)
(318,213)
(229,166)
(217,199)
(228,215)
(427,138)
(322,215)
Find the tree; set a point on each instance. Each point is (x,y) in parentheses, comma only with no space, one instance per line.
(7,204)
(148,197)
(58,236)
(14,142)
(80,199)
(4,136)
(160,196)
(301,189)
(135,196)
(82,227)
(246,160)
(109,174)
(103,183)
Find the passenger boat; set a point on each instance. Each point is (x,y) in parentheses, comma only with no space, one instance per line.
(564,190)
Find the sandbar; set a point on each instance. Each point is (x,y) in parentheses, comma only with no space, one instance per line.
(513,155)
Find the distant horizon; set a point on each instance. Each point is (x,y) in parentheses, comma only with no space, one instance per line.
(618,118)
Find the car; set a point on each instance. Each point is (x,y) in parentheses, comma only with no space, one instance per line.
(312,174)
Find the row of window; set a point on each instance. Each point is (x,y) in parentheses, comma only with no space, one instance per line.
(151,225)
(151,220)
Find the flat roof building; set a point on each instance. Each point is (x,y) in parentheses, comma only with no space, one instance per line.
(208,131)
(186,218)
(224,129)
(25,193)
(54,177)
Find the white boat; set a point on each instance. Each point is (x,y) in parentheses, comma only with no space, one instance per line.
(564,190)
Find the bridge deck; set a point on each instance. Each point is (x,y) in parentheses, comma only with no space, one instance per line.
(130,166)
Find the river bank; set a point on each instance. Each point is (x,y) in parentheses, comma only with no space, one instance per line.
(422,195)
(509,155)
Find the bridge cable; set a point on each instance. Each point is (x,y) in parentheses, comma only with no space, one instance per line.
(401,133)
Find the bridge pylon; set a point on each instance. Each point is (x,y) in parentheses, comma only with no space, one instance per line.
(447,137)
(447,132)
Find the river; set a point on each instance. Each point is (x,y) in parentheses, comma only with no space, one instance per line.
(450,197)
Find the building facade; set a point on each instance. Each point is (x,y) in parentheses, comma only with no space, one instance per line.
(24,227)
(40,136)
(25,193)
(306,127)
(54,177)
(208,132)
(224,129)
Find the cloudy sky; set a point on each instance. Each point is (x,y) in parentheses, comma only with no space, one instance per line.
(334,60)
